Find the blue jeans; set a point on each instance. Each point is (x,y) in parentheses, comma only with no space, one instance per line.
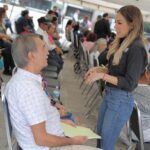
(114,112)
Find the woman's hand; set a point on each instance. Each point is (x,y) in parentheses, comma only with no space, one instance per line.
(93,76)
(6,40)
(59,51)
(92,70)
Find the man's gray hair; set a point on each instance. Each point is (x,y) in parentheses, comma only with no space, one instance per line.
(101,41)
(22,45)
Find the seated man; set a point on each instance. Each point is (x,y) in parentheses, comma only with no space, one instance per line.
(35,122)
(142,97)
(53,58)
(24,24)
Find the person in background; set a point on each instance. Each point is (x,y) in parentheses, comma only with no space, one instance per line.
(102,49)
(35,122)
(68,29)
(24,24)
(76,15)
(142,98)
(89,42)
(98,49)
(99,17)
(50,14)
(102,27)
(56,52)
(85,34)
(54,9)
(84,25)
(7,21)
(42,30)
(5,45)
(127,59)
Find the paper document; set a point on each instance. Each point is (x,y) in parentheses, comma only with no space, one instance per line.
(71,131)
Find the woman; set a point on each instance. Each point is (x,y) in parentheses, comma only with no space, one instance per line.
(68,29)
(51,31)
(5,45)
(127,59)
(7,20)
(89,42)
(56,52)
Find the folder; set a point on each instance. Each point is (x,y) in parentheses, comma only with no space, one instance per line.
(71,131)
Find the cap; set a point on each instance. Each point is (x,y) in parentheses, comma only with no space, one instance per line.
(43,20)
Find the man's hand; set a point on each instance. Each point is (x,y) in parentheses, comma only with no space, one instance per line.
(78,140)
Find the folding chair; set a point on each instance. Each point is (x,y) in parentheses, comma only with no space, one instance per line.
(12,143)
(135,124)
(52,82)
(51,68)
(50,74)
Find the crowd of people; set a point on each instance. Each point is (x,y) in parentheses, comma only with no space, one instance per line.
(36,121)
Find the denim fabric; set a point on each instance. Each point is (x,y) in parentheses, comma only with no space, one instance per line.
(55,60)
(114,112)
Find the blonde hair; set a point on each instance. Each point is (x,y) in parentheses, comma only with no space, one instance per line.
(134,19)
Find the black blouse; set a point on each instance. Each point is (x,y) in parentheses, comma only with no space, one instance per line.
(132,65)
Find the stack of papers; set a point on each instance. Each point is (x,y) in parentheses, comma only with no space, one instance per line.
(71,131)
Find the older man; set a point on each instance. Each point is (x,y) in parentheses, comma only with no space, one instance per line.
(36,123)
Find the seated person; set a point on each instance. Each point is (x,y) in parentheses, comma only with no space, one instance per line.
(7,20)
(35,122)
(24,24)
(50,14)
(102,58)
(97,53)
(142,97)
(5,45)
(53,56)
(50,31)
(68,29)
(89,42)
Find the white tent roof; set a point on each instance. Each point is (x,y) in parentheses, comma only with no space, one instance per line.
(111,6)
(142,4)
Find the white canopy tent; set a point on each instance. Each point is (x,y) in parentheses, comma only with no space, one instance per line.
(111,6)
(142,4)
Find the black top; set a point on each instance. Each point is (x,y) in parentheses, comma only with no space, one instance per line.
(21,23)
(102,58)
(131,67)
(102,28)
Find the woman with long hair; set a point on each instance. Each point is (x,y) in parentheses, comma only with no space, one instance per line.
(127,59)
(5,45)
